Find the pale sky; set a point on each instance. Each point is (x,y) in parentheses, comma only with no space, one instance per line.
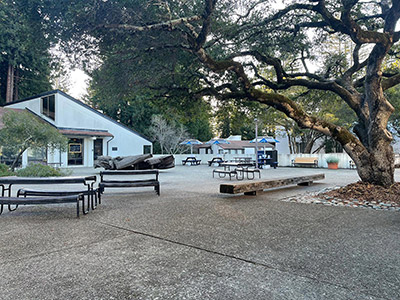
(79,83)
(79,80)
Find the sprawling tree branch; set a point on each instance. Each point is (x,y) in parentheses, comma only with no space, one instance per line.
(169,25)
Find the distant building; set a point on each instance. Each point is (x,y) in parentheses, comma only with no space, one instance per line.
(233,145)
(90,132)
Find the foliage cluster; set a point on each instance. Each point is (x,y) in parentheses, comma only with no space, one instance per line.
(5,171)
(39,170)
(332,159)
(25,40)
(23,130)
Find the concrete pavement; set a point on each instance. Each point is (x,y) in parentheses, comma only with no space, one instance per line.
(194,243)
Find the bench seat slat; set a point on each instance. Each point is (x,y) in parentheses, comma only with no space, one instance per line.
(39,200)
(133,172)
(129,181)
(128,184)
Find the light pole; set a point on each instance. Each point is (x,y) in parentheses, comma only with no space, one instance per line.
(255,120)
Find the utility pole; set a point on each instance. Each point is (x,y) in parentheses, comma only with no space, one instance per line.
(255,120)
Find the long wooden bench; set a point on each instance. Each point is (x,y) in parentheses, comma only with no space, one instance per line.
(119,183)
(252,187)
(41,201)
(305,161)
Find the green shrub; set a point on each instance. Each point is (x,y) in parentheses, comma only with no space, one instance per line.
(5,171)
(39,170)
(332,159)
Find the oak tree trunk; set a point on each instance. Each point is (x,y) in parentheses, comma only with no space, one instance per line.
(378,166)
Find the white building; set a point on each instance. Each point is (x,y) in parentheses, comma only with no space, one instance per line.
(90,132)
(232,145)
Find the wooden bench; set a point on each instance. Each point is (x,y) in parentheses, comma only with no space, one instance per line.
(118,183)
(231,173)
(215,160)
(40,201)
(305,161)
(252,187)
(192,160)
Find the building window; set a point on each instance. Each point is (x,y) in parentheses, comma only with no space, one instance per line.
(146,149)
(114,149)
(49,106)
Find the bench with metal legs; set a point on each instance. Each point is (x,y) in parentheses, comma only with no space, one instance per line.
(91,196)
(41,201)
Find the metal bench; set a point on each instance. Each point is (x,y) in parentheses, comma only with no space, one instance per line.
(305,161)
(252,187)
(220,172)
(6,184)
(119,183)
(41,201)
(248,171)
(89,193)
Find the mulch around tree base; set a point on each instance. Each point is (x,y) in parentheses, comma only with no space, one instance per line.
(361,194)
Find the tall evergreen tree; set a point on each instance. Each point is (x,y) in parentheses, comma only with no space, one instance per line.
(24,49)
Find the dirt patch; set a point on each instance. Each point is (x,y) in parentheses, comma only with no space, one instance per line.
(366,193)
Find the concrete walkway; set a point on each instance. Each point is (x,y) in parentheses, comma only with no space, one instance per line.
(194,243)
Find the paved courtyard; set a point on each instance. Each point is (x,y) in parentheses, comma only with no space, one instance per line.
(194,243)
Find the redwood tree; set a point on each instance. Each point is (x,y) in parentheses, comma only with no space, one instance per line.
(234,42)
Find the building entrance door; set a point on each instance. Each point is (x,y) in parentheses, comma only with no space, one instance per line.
(97,148)
(75,152)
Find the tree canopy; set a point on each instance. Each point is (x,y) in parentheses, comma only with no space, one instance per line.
(25,40)
(229,45)
(23,130)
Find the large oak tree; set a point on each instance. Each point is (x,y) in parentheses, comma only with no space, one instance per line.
(232,42)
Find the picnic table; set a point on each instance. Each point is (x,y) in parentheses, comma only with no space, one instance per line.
(191,160)
(243,159)
(215,160)
(6,184)
(237,169)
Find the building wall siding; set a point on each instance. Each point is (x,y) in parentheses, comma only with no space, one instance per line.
(70,114)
